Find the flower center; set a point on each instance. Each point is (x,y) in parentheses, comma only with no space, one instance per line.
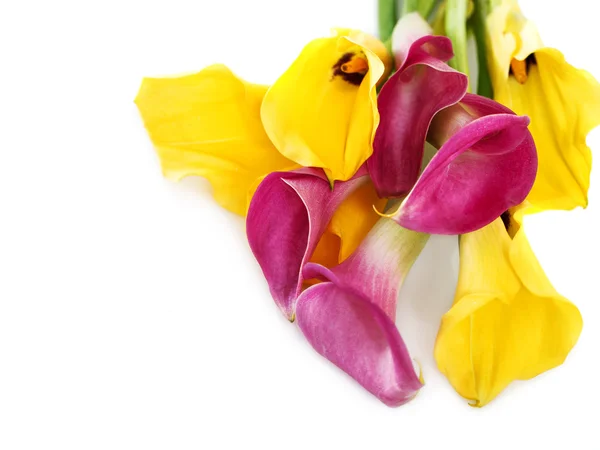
(356,65)
(520,69)
(351,67)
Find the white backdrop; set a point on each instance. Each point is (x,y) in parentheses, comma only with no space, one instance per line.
(132,313)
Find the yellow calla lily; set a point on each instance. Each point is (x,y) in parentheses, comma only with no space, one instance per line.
(563,103)
(208,124)
(322,112)
(507,322)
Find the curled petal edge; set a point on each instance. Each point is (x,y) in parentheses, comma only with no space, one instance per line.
(287,216)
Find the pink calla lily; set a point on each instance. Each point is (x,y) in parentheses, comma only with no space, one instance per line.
(287,216)
(486,161)
(487,165)
(423,85)
(349,319)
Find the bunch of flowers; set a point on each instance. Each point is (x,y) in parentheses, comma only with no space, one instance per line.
(329,168)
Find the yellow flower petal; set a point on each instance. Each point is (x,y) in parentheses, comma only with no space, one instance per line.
(509,35)
(562,102)
(208,124)
(349,225)
(322,111)
(564,106)
(355,217)
(507,322)
(327,252)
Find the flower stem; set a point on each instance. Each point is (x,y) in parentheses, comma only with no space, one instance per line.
(456,30)
(484,85)
(388,16)
(423,7)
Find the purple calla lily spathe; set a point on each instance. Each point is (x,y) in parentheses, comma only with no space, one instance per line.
(486,167)
(287,216)
(349,319)
(360,339)
(423,85)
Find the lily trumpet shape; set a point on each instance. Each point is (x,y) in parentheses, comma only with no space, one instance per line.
(562,101)
(322,112)
(507,322)
(208,124)
(349,318)
(486,164)
(288,216)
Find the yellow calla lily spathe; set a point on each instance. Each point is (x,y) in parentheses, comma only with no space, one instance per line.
(322,112)
(562,102)
(208,124)
(507,322)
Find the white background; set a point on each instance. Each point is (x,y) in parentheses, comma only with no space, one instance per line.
(132,313)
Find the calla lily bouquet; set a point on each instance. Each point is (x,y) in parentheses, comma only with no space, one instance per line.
(328,166)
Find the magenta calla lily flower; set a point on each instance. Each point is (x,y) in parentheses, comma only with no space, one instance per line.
(423,85)
(288,215)
(486,161)
(349,319)
(486,165)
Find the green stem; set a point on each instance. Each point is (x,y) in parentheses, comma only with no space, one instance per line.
(484,84)
(456,30)
(423,7)
(388,16)
(409,6)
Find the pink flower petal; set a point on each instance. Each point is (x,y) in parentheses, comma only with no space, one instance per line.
(487,166)
(350,318)
(360,339)
(288,215)
(423,85)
